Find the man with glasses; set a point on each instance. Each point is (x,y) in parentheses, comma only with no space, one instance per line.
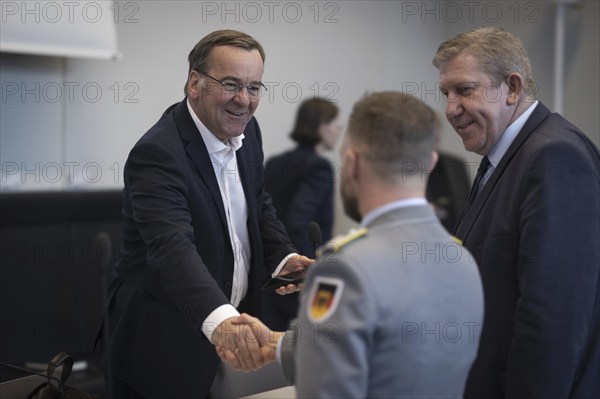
(200,234)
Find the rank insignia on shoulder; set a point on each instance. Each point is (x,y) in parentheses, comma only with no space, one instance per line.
(335,244)
(324,297)
(457,240)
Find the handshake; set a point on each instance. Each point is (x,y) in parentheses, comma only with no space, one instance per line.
(245,343)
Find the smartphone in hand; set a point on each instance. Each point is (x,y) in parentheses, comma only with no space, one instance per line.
(282,281)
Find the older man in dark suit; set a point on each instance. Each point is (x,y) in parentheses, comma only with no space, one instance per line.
(200,233)
(532,223)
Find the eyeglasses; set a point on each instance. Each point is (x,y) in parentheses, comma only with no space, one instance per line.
(254,90)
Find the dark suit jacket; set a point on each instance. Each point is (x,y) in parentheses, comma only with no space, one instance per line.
(301,185)
(448,189)
(176,262)
(534,230)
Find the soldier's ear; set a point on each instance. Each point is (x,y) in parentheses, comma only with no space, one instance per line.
(353,163)
(433,160)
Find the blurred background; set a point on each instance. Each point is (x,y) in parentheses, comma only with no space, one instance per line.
(69,116)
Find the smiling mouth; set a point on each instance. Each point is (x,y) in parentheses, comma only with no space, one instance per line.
(235,113)
(459,127)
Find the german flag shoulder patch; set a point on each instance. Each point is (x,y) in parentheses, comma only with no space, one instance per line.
(324,297)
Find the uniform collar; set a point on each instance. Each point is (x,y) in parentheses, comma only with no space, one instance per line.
(377,212)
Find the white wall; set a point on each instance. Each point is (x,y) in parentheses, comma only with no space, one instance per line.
(338,49)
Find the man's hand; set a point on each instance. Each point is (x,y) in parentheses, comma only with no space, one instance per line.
(266,339)
(240,340)
(294,264)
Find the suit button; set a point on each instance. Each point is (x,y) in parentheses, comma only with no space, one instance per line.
(228,286)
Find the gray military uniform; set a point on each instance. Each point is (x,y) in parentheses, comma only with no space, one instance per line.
(396,311)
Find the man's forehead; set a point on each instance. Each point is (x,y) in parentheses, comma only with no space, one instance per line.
(227,49)
(460,69)
(232,60)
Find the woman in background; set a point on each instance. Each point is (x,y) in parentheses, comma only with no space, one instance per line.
(301,183)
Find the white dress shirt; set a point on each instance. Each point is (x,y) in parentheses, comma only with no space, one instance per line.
(224,161)
(222,156)
(500,148)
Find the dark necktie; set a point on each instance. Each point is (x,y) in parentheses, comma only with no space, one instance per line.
(483,167)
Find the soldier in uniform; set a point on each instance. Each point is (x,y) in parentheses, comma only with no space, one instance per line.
(395,308)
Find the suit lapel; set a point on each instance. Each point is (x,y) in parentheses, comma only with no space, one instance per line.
(246,175)
(196,150)
(470,215)
(251,174)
